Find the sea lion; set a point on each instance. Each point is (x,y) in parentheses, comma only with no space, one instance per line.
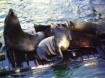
(84,27)
(43,28)
(15,37)
(17,42)
(46,28)
(54,45)
(85,40)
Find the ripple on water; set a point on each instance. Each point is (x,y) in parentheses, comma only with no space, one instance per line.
(45,11)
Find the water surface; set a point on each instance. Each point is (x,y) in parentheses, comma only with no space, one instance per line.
(46,11)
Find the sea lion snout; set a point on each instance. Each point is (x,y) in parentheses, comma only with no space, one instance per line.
(11,12)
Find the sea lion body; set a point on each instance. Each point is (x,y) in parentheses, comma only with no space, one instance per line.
(20,46)
(46,47)
(43,28)
(49,47)
(84,27)
(84,40)
(14,36)
(54,45)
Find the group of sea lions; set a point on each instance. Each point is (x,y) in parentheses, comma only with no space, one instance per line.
(50,43)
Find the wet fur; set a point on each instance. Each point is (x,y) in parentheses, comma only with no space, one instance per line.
(84,39)
(15,37)
(43,28)
(17,42)
(84,27)
(53,46)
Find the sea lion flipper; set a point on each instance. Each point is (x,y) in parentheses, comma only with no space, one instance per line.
(56,60)
(60,52)
(42,54)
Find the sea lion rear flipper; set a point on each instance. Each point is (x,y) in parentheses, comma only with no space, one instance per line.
(101,51)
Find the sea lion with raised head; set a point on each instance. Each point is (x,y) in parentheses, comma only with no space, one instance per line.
(19,43)
(54,45)
(15,37)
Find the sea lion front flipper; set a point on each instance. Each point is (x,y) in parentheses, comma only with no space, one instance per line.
(60,52)
(59,58)
(101,51)
(56,60)
(42,55)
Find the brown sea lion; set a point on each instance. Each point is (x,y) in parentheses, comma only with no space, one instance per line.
(53,46)
(84,27)
(43,28)
(93,27)
(19,44)
(14,36)
(0,44)
(84,40)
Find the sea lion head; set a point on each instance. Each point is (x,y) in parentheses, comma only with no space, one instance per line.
(62,36)
(43,28)
(12,20)
(84,27)
(60,30)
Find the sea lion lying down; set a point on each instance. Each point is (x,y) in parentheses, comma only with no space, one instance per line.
(88,34)
(43,28)
(85,40)
(84,27)
(95,28)
(54,45)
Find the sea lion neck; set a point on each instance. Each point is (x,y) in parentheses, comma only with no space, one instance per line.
(12,24)
(14,28)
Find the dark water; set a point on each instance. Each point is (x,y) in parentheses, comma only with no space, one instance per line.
(46,11)
(91,68)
